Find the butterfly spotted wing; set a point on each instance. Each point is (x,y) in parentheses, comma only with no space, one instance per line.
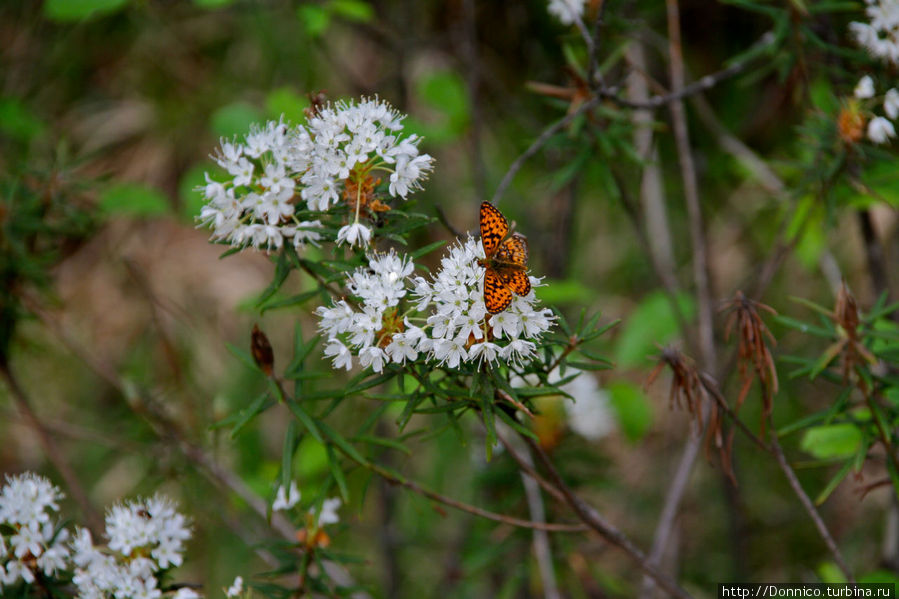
(497,294)
(494,228)
(506,260)
(518,281)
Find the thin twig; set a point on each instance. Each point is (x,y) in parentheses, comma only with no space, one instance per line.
(594,520)
(701,85)
(459,505)
(809,506)
(537,144)
(542,548)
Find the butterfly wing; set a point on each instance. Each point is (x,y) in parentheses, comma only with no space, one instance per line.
(497,295)
(514,251)
(494,228)
(518,281)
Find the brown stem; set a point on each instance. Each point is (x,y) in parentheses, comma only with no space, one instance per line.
(537,144)
(595,521)
(809,506)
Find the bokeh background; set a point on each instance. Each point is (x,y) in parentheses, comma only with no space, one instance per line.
(109,111)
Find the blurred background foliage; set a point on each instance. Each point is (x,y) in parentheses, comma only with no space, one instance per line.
(110,108)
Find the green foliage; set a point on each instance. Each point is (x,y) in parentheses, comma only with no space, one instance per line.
(233,119)
(133,199)
(632,409)
(78,10)
(18,121)
(651,324)
(832,440)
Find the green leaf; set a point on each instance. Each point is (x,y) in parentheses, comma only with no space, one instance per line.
(315,19)
(353,10)
(652,322)
(234,119)
(77,10)
(832,440)
(342,443)
(245,416)
(282,270)
(133,199)
(285,101)
(829,572)
(337,473)
(426,249)
(18,121)
(306,419)
(291,440)
(632,408)
(834,483)
(383,442)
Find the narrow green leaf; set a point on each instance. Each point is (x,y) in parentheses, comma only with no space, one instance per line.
(282,270)
(383,442)
(337,473)
(834,483)
(291,440)
(342,443)
(306,419)
(426,249)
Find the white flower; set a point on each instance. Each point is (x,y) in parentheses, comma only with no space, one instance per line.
(328,513)
(891,103)
(26,499)
(401,349)
(236,587)
(351,234)
(343,358)
(28,540)
(880,130)
(186,593)
(285,501)
(880,36)
(372,356)
(567,11)
(150,524)
(344,144)
(864,88)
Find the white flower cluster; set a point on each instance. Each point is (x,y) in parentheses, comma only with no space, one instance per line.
(567,11)
(880,129)
(332,156)
(145,537)
(880,35)
(34,544)
(454,325)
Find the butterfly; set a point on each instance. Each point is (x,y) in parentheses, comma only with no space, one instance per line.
(505,260)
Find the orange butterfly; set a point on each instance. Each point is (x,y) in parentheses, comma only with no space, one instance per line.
(506,260)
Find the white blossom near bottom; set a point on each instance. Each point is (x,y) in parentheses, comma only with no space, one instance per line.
(880,130)
(34,545)
(399,319)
